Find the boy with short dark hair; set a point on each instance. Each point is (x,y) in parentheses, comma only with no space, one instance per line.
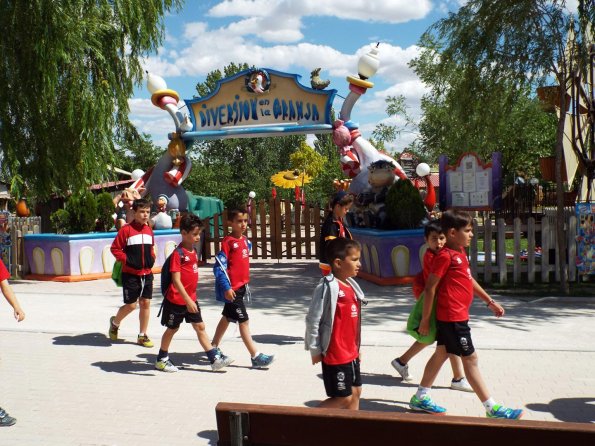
(134,246)
(19,315)
(451,271)
(180,301)
(334,227)
(435,239)
(232,277)
(333,326)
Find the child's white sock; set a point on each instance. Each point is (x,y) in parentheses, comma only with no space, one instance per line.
(422,391)
(256,355)
(140,334)
(489,404)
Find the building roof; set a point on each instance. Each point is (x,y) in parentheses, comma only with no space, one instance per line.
(4,193)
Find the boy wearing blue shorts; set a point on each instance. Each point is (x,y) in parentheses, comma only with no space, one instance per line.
(333,326)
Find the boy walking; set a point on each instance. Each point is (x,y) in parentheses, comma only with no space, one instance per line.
(232,275)
(333,326)
(450,270)
(19,315)
(180,302)
(435,240)
(134,247)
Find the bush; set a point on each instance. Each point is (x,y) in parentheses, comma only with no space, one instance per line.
(404,206)
(83,212)
(60,221)
(105,211)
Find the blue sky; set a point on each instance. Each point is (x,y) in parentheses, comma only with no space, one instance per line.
(294,36)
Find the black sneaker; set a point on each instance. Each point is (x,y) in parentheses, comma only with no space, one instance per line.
(5,419)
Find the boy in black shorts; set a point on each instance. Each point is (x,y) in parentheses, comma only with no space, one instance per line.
(450,269)
(134,246)
(180,302)
(232,275)
(333,326)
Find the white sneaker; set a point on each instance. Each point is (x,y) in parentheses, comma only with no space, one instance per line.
(165,365)
(462,385)
(220,362)
(402,369)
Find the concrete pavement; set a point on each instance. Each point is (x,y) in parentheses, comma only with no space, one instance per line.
(68,385)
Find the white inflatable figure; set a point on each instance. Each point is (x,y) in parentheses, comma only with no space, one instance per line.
(356,152)
(162,220)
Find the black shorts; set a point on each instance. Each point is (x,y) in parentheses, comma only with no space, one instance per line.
(236,311)
(456,337)
(339,379)
(134,286)
(173,315)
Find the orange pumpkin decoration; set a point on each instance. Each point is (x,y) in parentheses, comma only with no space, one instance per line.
(22,208)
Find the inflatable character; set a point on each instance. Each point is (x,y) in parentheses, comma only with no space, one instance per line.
(370,203)
(162,220)
(123,203)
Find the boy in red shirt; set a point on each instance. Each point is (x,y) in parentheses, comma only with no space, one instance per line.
(333,326)
(435,240)
(450,270)
(19,315)
(134,246)
(232,275)
(180,302)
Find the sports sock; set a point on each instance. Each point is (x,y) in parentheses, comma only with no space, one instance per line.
(114,323)
(162,354)
(256,355)
(212,355)
(489,404)
(422,391)
(141,334)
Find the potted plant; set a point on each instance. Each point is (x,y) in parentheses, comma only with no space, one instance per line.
(392,255)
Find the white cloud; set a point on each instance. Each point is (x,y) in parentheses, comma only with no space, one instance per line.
(394,11)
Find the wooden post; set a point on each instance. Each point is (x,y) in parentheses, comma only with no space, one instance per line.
(298,229)
(288,229)
(531,250)
(207,239)
(545,250)
(264,247)
(516,272)
(501,251)
(487,249)
(473,250)
(307,233)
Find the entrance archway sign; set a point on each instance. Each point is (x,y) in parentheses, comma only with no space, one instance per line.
(260,103)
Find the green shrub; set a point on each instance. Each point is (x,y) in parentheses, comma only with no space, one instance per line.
(83,212)
(60,221)
(105,211)
(404,206)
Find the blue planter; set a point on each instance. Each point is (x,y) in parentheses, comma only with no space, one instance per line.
(85,254)
(390,257)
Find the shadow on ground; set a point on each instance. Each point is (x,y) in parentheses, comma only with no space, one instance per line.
(577,410)
(87,339)
(212,436)
(375,405)
(130,367)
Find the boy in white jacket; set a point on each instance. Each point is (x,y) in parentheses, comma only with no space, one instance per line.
(333,326)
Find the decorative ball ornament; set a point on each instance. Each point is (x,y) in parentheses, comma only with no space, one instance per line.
(136,174)
(251,194)
(422,170)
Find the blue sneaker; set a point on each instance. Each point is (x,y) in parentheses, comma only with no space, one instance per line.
(506,413)
(262,361)
(426,405)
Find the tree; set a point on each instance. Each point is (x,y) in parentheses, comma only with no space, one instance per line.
(497,116)
(519,43)
(67,70)
(137,153)
(386,133)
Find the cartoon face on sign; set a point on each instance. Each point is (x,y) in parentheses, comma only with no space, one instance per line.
(258,81)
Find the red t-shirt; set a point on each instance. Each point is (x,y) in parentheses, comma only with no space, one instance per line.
(4,274)
(238,260)
(419,282)
(455,290)
(188,269)
(343,347)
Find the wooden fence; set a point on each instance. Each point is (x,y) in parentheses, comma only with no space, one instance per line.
(536,262)
(17,227)
(278,229)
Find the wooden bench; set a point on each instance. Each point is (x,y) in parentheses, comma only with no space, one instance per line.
(253,424)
